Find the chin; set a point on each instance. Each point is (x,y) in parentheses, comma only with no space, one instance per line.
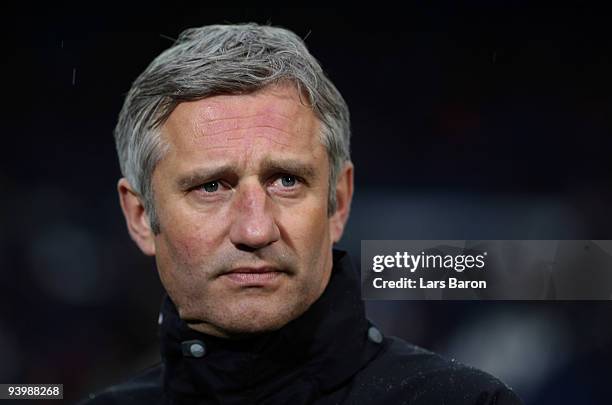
(250,314)
(259,319)
(252,328)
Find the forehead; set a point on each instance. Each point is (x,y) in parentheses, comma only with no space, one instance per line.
(275,115)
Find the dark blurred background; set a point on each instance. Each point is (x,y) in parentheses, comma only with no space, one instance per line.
(479,122)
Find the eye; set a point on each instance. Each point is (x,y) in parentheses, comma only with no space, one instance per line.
(210,187)
(288,181)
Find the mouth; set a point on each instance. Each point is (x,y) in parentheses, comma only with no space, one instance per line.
(253,276)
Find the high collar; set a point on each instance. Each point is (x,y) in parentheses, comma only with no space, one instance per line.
(308,357)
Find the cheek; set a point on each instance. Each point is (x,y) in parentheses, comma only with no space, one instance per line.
(187,244)
(188,235)
(309,231)
(183,261)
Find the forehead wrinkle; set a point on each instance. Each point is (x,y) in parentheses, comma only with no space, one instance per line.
(201,120)
(272,140)
(246,138)
(249,127)
(267,111)
(206,127)
(258,135)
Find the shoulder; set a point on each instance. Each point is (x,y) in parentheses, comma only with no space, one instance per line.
(405,373)
(143,388)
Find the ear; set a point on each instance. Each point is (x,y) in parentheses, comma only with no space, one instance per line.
(136,218)
(344,196)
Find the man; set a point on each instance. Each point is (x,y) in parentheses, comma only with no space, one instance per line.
(234,147)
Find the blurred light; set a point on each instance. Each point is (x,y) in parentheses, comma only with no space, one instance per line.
(523,351)
(64,261)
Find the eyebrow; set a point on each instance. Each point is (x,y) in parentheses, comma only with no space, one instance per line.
(290,166)
(268,166)
(202,175)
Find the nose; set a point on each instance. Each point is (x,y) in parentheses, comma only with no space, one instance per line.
(253,224)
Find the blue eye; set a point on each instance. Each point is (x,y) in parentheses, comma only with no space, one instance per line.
(288,181)
(211,186)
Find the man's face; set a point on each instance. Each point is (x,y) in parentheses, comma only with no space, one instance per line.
(241,196)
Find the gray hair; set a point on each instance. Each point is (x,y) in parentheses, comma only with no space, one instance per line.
(215,60)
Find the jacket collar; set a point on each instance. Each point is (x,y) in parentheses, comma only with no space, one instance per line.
(311,355)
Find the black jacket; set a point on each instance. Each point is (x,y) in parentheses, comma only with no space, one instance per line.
(330,355)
